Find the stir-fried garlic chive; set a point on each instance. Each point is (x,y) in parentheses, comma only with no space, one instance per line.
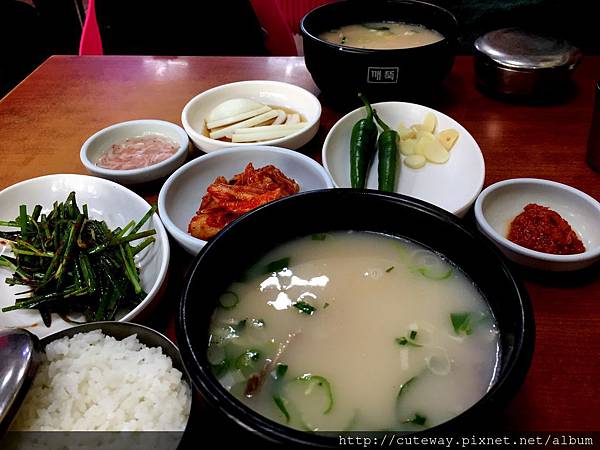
(63,255)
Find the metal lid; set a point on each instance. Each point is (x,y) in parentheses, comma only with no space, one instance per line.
(20,358)
(519,49)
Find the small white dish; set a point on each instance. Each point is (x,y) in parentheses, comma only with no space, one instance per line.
(107,201)
(270,93)
(501,202)
(180,196)
(452,186)
(101,141)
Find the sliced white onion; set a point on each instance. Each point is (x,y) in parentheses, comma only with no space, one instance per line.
(287,126)
(280,118)
(244,124)
(236,118)
(404,359)
(232,107)
(261,135)
(293,118)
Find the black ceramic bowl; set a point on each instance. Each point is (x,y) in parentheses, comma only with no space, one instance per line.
(409,73)
(229,254)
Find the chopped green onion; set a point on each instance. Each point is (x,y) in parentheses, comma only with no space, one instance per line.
(240,325)
(229,300)
(461,322)
(413,335)
(319,237)
(280,402)
(326,305)
(427,272)
(317,380)
(280,371)
(277,266)
(417,420)
(304,307)
(405,386)
(407,341)
(247,358)
(375,26)
(389,269)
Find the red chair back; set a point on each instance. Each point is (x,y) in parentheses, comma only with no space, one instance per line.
(281,20)
(91,42)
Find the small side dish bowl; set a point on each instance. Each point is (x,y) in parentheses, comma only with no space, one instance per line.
(270,93)
(180,196)
(501,202)
(101,141)
(107,201)
(452,186)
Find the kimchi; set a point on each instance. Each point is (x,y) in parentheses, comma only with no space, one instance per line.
(225,200)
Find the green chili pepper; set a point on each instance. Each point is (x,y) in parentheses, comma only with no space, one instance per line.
(388,156)
(362,147)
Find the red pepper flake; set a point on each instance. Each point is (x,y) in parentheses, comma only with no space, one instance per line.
(541,229)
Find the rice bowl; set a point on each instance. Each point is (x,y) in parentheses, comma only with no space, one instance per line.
(94,382)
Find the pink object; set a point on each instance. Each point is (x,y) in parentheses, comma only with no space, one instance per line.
(91,42)
(281,20)
(138,152)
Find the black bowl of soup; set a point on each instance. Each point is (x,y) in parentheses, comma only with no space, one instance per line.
(342,310)
(385,49)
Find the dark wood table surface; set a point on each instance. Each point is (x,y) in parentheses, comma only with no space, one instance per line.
(45,119)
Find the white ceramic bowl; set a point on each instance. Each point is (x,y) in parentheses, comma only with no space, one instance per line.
(106,200)
(271,93)
(180,196)
(97,144)
(453,186)
(501,202)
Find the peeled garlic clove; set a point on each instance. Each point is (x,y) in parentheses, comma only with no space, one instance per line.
(430,122)
(432,149)
(422,133)
(422,138)
(415,161)
(406,133)
(408,147)
(447,138)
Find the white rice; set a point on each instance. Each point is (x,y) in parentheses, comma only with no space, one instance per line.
(93,382)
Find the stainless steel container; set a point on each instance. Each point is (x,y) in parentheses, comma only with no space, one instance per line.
(516,62)
(20,355)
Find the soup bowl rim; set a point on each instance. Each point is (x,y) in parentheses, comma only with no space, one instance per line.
(307,33)
(503,387)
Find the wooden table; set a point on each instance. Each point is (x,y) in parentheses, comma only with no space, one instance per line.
(45,119)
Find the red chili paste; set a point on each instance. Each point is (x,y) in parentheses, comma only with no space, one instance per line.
(541,229)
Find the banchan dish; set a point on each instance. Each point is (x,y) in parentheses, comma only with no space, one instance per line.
(346,209)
